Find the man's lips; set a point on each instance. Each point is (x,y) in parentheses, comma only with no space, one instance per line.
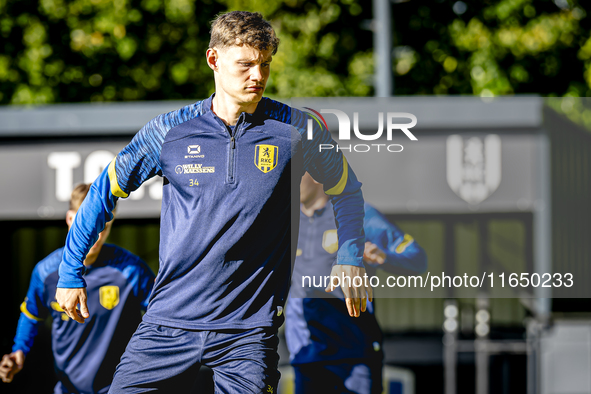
(255,88)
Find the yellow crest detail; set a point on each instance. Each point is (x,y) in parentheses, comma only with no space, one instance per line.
(330,241)
(109,296)
(265,157)
(270,389)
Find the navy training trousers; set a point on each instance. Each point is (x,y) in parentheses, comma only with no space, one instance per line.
(165,359)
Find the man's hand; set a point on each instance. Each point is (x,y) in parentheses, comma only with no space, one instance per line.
(356,291)
(374,255)
(68,299)
(10,365)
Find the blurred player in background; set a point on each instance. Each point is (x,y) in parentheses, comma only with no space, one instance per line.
(85,355)
(225,229)
(330,351)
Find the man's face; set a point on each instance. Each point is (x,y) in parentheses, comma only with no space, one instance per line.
(241,72)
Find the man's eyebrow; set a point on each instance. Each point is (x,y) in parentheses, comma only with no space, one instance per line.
(250,60)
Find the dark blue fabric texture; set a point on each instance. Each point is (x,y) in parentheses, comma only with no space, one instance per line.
(225,238)
(166,359)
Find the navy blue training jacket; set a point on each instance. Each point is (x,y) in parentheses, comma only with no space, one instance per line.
(85,355)
(229,197)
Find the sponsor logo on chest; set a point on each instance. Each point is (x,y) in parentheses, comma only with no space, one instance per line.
(194,152)
(194,169)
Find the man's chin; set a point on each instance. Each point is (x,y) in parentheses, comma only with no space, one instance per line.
(254,97)
(249,98)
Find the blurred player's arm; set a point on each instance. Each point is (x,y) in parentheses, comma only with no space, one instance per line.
(389,248)
(330,167)
(135,164)
(33,312)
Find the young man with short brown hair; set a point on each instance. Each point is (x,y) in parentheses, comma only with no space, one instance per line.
(225,240)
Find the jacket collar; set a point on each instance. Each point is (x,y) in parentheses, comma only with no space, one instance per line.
(248,118)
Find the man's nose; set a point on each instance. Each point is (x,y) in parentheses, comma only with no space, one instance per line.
(256,73)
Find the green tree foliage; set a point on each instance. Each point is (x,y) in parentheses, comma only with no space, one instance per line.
(324,50)
(113,50)
(95,50)
(493,47)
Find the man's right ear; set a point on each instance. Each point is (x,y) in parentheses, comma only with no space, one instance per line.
(70,215)
(212,58)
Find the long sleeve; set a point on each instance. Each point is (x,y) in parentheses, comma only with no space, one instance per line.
(26,332)
(401,250)
(33,311)
(135,164)
(330,167)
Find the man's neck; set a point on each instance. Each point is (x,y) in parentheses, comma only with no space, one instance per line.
(313,205)
(91,257)
(228,110)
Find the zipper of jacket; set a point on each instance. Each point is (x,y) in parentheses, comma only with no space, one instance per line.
(231,160)
(232,150)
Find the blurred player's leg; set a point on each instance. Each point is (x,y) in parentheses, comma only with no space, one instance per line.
(243,361)
(338,378)
(365,378)
(159,358)
(314,378)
